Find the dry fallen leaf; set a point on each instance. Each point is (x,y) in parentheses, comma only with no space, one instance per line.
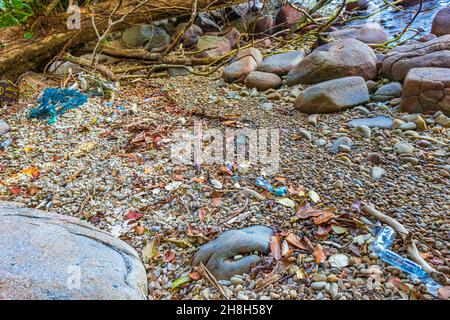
(285,251)
(318,254)
(169,256)
(306,212)
(32,171)
(199,179)
(275,247)
(202,214)
(286,202)
(139,230)
(194,275)
(323,231)
(215,201)
(15,190)
(133,215)
(407,291)
(150,250)
(294,241)
(324,217)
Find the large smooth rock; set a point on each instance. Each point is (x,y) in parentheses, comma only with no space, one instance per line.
(282,63)
(441,22)
(210,46)
(434,53)
(358,5)
(286,17)
(337,59)
(367,33)
(426,90)
(264,26)
(388,92)
(233,35)
(153,38)
(63,68)
(245,62)
(49,256)
(218,254)
(190,36)
(262,80)
(207,24)
(333,96)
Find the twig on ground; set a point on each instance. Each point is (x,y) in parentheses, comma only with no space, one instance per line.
(211,279)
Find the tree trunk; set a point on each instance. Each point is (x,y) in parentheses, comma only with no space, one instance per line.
(20,55)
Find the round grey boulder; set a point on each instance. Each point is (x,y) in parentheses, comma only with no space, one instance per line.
(262,80)
(47,256)
(282,63)
(218,254)
(388,92)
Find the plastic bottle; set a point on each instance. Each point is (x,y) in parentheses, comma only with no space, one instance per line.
(381,245)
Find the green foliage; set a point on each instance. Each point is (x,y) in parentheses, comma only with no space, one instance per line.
(28,35)
(14,12)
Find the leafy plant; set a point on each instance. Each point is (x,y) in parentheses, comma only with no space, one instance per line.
(14,12)
(28,35)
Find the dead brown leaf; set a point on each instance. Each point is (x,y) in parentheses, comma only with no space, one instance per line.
(275,247)
(295,241)
(318,254)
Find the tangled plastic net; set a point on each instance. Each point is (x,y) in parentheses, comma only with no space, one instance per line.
(55,101)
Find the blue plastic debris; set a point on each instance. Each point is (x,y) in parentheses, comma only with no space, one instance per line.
(281,191)
(260,182)
(55,101)
(5,144)
(358,182)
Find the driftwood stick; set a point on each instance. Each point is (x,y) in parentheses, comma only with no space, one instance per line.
(407,238)
(86,63)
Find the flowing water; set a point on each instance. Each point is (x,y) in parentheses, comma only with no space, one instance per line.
(394,21)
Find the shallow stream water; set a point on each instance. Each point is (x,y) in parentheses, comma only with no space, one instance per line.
(394,21)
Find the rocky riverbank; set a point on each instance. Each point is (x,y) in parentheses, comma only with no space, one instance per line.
(356,123)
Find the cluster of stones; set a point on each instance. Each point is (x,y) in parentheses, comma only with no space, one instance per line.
(341,72)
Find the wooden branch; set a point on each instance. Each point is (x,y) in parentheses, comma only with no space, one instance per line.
(19,55)
(181,33)
(130,53)
(409,242)
(86,63)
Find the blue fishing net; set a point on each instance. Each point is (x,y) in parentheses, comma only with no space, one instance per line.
(55,101)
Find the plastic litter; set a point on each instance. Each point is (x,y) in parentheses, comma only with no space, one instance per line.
(55,101)
(260,182)
(380,246)
(281,191)
(5,144)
